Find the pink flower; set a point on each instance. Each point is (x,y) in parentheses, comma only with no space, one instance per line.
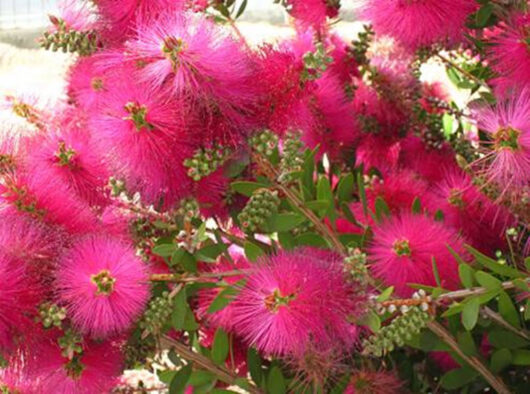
(69,157)
(380,152)
(103,285)
(74,15)
(95,370)
(403,248)
(312,13)
(87,83)
(466,209)
(374,382)
(419,23)
(19,295)
(139,131)
(510,53)
(508,126)
(293,298)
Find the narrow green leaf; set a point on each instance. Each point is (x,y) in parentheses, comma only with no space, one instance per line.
(521,357)
(180,380)
(457,378)
(164,250)
(225,297)
(466,343)
(362,193)
(493,265)
(439,215)
(345,188)
(252,251)
(371,320)
(484,14)
(500,359)
(507,309)
(436,273)
(166,376)
(416,206)
(241,9)
(466,274)
(527,263)
(381,209)
(385,295)
(185,259)
(281,222)
(254,366)
(311,239)
(247,188)
(470,313)
(210,253)
(276,382)
(488,281)
(307,177)
(180,309)
(220,347)
(500,339)
(324,193)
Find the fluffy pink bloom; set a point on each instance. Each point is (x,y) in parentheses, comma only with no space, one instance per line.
(19,295)
(466,209)
(140,132)
(294,298)
(374,151)
(192,56)
(52,202)
(399,189)
(312,13)
(403,248)
(508,126)
(87,82)
(75,15)
(69,156)
(418,23)
(510,53)
(95,370)
(431,164)
(103,285)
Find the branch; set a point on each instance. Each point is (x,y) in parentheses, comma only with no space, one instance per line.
(454,295)
(222,373)
(177,278)
(474,362)
(461,70)
(495,317)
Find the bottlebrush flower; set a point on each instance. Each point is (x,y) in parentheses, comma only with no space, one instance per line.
(466,209)
(508,125)
(69,156)
(510,53)
(103,285)
(313,13)
(19,295)
(374,151)
(140,132)
(95,370)
(87,82)
(51,202)
(403,248)
(374,382)
(398,189)
(193,57)
(419,23)
(74,15)
(293,298)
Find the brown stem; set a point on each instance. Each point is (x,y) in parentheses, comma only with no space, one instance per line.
(454,295)
(461,70)
(495,317)
(221,372)
(187,279)
(474,362)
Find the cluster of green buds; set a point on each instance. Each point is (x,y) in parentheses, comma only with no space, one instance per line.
(261,206)
(355,265)
(303,228)
(157,314)
(265,143)
(206,161)
(63,38)
(51,315)
(315,63)
(71,344)
(292,156)
(403,328)
(360,46)
(189,208)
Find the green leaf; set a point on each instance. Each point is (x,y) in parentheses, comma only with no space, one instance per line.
(484,14)
(527,263)
(500,359)
(453,76)
(225,297)
(466,273)
(254,366)
(416,206)
(241,9)
(185,259)
(457,378)
(371,320)
(488,281)
(507,309)
(307,177)
(506,339)
(311,239)
(276,382)
(247,188)
(439,215)
(470,313)
(494,266)
(527,310)
(428,340)
(201,378)
(286,240)
(521,357)
(435,272)
(180,380)
(282,222)
(210,253)
(362,193)
(447,121)
(166,376)
(385,295)
(466,343)
(220,347)
(324,193)
(164,250)
(381,209)
(345,188)
(180,309)
(318,206)
(252,251)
